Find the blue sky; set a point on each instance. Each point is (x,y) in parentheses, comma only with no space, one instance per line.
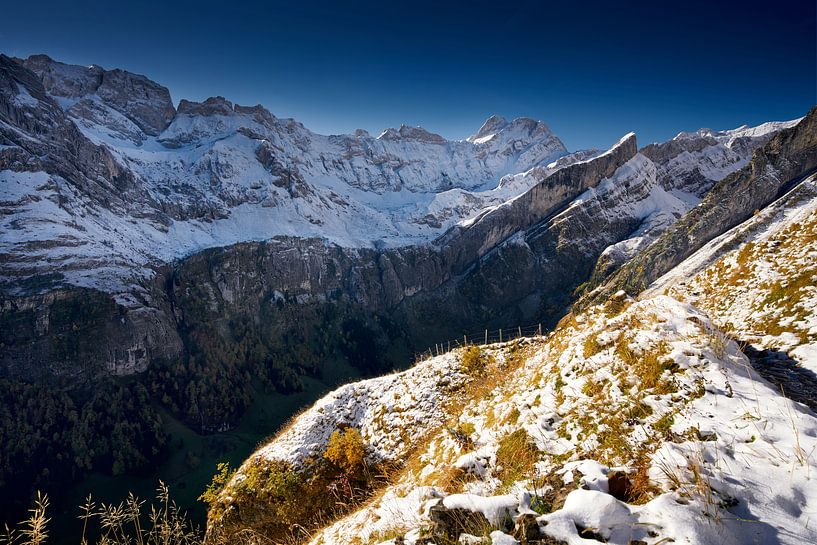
(593,71)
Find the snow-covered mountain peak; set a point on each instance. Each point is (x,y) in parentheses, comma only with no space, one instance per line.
(142,101)
(218,173)
(487,130)
(64,80)
(730,136)
(499,127)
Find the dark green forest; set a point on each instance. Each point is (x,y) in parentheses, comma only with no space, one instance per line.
(54,432)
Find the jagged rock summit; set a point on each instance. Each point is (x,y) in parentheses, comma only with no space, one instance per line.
(144,102)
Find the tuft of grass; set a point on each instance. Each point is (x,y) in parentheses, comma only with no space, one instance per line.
(664,423)
(592,346)
(612,437)
(517,455)
(593,388)
(639,410)
(642,488)
(474,362)
(615,306)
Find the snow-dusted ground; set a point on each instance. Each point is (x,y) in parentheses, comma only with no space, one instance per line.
(730,459)
(653,388)
(759,280)
(383,409)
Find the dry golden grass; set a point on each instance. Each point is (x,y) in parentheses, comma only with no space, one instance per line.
(127,523)
(473,361)
(591,345)
(642,489)
(615,306)
(517,455)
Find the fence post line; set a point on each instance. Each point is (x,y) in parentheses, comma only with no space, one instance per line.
(500,334)
(540,329)
(464,340)
(520,331)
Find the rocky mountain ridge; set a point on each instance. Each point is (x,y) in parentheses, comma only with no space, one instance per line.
(406,228)
(214,173)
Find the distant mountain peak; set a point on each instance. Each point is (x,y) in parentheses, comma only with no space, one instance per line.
(496,123)
(406,132)
(216,105)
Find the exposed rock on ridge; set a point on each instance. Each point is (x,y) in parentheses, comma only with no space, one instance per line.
(788,157)
(141,100)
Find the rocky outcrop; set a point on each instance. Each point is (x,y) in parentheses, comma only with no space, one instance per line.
(39,129)
(462,244)
(788,156)
(141,100)
(695,161)
(81,334)
(411,133)
(211,106)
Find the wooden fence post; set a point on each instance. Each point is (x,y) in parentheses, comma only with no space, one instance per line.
(500,334)
(486,336)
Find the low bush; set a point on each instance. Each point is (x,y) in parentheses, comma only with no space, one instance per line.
(474,362)
(347,451)
(286,504)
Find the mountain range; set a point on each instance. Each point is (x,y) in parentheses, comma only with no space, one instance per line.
(208,249)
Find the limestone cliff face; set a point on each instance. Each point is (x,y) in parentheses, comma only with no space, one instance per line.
(547,241)
(152,216)
(79,334)
(38,136)
(462,244)
(293,277)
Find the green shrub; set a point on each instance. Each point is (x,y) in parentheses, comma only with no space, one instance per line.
(220,480)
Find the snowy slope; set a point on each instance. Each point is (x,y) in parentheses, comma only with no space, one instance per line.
(758,280)
(714,453)
(657,389)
